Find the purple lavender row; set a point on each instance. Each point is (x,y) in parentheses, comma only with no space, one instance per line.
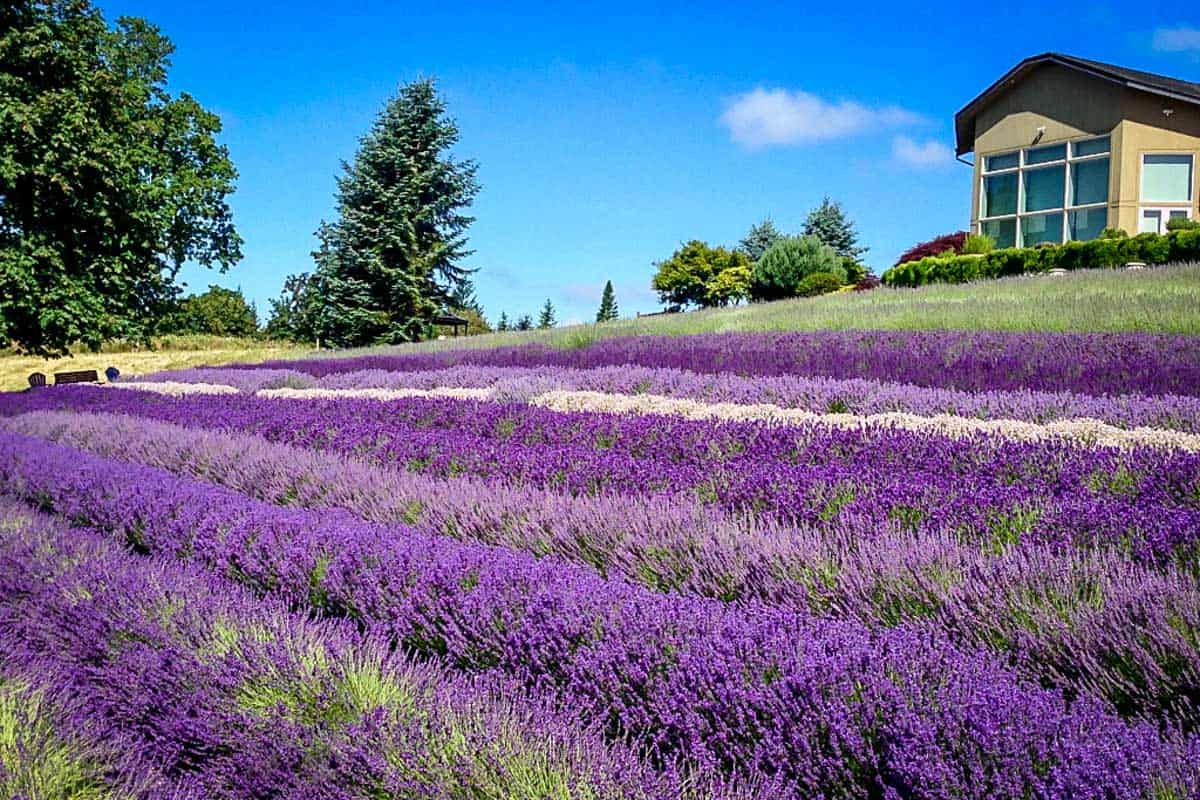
(981,488)
(1088,622)
(232,696)
(826,706)
(1086,363)
(818,395)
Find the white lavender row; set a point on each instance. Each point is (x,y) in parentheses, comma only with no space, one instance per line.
(815,394)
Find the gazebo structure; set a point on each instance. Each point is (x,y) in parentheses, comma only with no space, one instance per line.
(452,320)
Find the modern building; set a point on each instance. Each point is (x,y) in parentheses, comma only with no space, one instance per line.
(1065,147)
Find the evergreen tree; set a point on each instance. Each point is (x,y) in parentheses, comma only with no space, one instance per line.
(394,254)
(759,239)
(608,304)
(525,323)
(463,298)
(503,324)
(546,317)
(829,223)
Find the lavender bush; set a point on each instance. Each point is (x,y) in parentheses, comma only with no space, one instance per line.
(826,706)
(815,394)
(1087,363)
(1087,622)
(980,488)
(231,696)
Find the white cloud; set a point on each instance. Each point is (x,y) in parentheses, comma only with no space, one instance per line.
(766,117)
(930,153)
(1176,40)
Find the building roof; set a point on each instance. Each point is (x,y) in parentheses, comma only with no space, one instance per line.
(964,120)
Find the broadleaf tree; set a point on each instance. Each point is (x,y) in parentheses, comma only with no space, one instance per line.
(394,255)
(702,275)
(218,311)
(108,182)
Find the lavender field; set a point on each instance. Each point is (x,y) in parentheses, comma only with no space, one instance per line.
(852,564)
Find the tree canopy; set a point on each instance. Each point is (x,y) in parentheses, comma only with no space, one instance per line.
(394,254)
(108,183)
(218,311)
(702,275)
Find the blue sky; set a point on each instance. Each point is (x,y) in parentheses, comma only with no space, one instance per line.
(607,134)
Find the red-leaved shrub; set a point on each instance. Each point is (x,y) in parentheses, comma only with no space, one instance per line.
(947,243)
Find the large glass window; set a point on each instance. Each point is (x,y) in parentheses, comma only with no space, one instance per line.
(1090,147)
(1002,161)
(1002,231)
(1167,177)
(1049,193)
(1044,188)
(1089,182)
(1086,223)
(1041,155)
(1000,195)
(1038,228)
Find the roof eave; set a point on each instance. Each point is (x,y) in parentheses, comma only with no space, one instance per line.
(966,115)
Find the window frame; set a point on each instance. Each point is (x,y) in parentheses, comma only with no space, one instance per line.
(1191,199)
(1164,215)
(1022,167)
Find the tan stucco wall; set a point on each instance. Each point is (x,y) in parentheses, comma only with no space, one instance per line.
(1072,105)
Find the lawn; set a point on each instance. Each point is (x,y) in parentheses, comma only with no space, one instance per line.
(1164,300)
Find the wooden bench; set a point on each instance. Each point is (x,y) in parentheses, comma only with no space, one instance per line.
(78,376)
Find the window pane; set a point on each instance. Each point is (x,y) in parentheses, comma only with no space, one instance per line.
(1087,224)
(1044,188)
(1178,214)
(1040,155)
(1149,222)
(1167,178)
(1003,231)
(999,195)
(1090,147)
(1041,228)
(1089,182)
(1000,161)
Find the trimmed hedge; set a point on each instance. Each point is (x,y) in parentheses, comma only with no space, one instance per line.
(1151,248)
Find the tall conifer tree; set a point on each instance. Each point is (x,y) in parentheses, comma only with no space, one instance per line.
(608,304)
(394,254)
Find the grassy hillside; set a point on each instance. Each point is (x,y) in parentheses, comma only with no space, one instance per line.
(1165,300)
(174,352)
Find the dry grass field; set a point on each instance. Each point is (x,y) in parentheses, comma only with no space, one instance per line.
(174,352)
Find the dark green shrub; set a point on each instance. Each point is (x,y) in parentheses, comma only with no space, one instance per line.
(855,271)
(1114,233)
(1182,224)
(819,283)
(788,262)
(1113,251)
